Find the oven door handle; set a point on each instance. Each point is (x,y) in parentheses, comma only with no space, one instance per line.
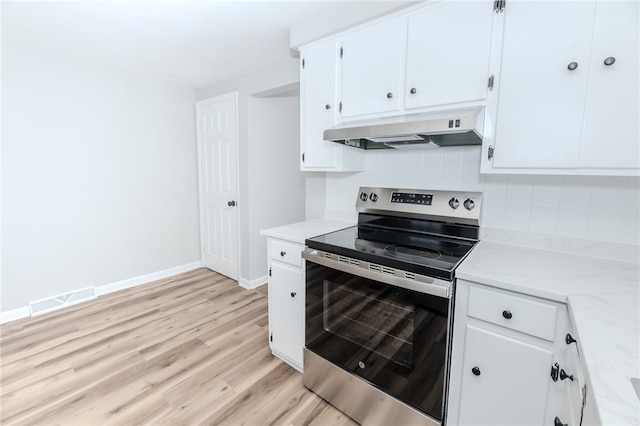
(387,275)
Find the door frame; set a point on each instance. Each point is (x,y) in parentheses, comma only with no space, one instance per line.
(201,210)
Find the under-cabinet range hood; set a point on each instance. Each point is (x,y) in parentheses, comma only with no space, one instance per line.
(414,131)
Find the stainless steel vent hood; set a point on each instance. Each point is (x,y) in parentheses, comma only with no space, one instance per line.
(413,131)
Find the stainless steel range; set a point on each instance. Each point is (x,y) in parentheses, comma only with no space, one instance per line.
(378,301)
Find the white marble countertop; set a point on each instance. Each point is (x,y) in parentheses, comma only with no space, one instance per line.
(298,232)
(603,298)
(606,327)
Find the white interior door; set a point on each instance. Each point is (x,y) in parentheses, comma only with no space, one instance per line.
(218,175)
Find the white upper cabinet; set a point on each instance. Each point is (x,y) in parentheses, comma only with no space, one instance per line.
(558,108)
(611,135)
(448,54)
(372,71)
(318,109)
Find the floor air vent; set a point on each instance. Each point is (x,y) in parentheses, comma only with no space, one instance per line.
(61,301)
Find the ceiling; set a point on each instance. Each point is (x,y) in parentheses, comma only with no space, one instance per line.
(192,43)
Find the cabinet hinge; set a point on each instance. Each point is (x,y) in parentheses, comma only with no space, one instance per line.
(340,107)
(490,153)
(341,52)
(302,63)
(491,82)
(499,5)
(269,271)
(555,370)
(271,337)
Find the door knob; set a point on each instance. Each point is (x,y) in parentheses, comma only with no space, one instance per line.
(231,203)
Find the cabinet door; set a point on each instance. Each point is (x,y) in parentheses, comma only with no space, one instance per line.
(286,303)
(318,105)
(611,132)
(372,69)
(510,385)
(448,54)
(541,101)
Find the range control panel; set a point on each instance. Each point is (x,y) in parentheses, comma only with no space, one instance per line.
(411,198)
(451,206)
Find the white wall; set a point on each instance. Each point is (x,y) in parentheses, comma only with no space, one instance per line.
(596,208)
(276,186)
(99,176)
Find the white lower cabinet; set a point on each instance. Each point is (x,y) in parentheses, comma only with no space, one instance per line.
(286,301)
(508,357)
(504,382)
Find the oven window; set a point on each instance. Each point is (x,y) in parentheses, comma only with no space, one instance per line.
(371,315)
(393,338)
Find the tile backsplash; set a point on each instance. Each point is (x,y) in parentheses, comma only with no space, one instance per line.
(588,207)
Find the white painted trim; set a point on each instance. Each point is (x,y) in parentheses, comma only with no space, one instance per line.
(251,284)
(24,312)
(14,314)
(143,279)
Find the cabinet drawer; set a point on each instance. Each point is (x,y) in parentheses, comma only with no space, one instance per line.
(513,312)
(286,252)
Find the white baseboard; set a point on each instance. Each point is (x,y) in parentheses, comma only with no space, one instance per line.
(250,285)
(25,312)
(14,314)
(143,279)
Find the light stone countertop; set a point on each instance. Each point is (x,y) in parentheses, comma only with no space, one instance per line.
(607,330)
(298,232)
(603,298)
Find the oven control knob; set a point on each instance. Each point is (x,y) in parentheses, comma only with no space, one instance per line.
(454,203)
(363,196)
(373,197)
(469,204)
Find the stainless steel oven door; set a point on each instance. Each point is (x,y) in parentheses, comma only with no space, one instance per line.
(390,331)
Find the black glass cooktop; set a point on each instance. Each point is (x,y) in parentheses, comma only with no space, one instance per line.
(423,254)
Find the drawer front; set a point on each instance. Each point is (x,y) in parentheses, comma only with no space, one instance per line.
(513,312)
(286,252)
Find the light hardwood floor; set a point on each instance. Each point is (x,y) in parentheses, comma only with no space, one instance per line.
(190,349)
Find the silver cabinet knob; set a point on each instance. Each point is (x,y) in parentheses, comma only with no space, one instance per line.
(389,95)
(327,106)
(572,66)
(413,91)
(610,61)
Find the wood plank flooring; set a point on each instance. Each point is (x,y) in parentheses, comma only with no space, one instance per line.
(190,349)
